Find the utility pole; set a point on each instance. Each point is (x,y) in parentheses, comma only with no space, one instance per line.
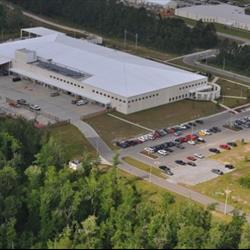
(125,38)
(227,192)
(136,40)
(224,63)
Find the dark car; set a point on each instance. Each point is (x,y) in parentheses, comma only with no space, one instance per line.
(54,94)
(169,150)
(179,162)
(192,164)
(232,144)
(16,79)
(164,168)
(22,102)
(217,171)
(214,150)
(199,121)
(180,146)
(74,101)
(229,166)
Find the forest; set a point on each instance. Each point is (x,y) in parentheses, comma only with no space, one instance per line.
(111,18)
(11,21)
(44,204)
(234,57)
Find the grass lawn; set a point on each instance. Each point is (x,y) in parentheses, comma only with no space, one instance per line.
(111,129)
(138,164)
(240,196)
(232,102)
(72,139)
(172,114)
(231,89)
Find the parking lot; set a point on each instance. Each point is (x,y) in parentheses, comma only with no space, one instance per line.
(186,174)
(36,94)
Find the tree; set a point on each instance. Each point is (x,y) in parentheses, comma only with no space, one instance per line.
(245,238)
(51,154)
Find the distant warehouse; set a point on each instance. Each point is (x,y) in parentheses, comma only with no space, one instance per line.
(108,77)
(225,14)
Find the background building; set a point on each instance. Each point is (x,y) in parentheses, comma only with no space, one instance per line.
(225,14)
(109,77)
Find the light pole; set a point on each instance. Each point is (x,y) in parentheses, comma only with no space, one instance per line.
(150,175)
(227,192)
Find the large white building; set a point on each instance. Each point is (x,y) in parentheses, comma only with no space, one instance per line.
(112,78)
(225,14)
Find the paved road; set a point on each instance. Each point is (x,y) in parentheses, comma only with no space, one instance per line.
(64,110)
(107,153)
(193,60)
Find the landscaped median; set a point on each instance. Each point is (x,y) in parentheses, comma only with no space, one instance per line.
(147,168)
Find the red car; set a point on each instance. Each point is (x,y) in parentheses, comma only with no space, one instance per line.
(225,146)
(191,158)
(183,139)
(192,137)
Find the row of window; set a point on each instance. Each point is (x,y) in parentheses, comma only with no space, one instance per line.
(144,98)
(108,96)
(120,100)
(68,82)
(178,97)
(191,86)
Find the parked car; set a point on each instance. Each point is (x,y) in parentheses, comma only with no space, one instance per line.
(180,162)
(164,168)
(54,94)
(191,142)
(232,144)
(16,79)
(192,164)
(199,121)
(180,146)
(200,139)
(225,146)
(200,156)
(74,101)
(82,102)
(217,171)
(191,158)
(162,152)
(229,166)
(35,107)
(22,102)
(214,150)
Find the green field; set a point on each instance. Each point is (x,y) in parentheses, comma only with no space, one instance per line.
(232,102)
(172,114)
(231,89)
(74,143)
(111,129)
(240,196)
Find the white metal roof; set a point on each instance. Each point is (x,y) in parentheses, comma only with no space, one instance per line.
(41,31)
(111,70)
(227,12)
(4,60)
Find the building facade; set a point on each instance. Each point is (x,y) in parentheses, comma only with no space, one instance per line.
(108,77)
